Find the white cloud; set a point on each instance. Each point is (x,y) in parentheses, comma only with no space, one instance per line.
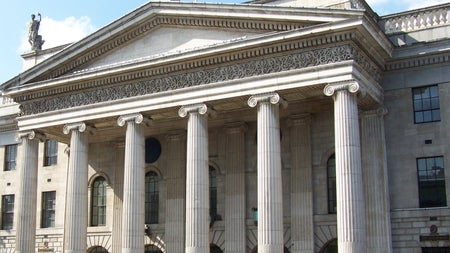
(59,32)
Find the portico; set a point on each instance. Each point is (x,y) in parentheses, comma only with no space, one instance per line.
(188,94)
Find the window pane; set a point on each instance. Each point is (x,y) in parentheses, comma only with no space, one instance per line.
(427,116)
(98,202)
(7,212)
(48,209)
(425,102)
(431,182)
(51,152)
(434,91)
(151,198)
(419,117)
(10,157)
(331,182)
(436,115)
(212,192)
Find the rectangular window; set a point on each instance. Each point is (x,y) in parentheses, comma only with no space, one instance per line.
(430,172)
(426,104)
(51,152)
(10,157)
(7,211)
(436,250)
(48,209)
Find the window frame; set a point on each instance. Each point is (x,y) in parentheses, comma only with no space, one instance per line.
(7,212)
(98,202)
(10,161)
(331,191)
(426,105)
(435,249)
(48,212)
(152,180)
(423,186)
(212,192)
(50,152)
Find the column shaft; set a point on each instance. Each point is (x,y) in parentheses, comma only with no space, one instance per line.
(197,180)
(75,229)
(118,199)
(26,198)
(176,186)
(376,182)
(349,185)
(235,188)
(270,195)
(133,218)
(301,185)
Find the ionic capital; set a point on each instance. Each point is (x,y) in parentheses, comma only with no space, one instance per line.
(138,118)
(31,135)
(195,108)
(236,128)
(351,86)
(271,97)
(78,126)
(303,119)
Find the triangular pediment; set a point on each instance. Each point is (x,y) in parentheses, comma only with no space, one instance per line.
(171,29)
(165,41)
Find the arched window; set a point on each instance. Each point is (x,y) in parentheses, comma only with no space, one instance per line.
(152,249)
(151,198)
(331,184)
(330,247)
(212,193)
(98,249)
(215,249)
(98,202)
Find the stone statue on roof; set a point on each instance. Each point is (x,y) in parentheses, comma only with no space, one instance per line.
(34,38)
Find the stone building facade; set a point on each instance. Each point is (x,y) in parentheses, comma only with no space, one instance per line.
(268,126)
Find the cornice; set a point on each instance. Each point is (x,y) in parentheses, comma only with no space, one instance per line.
(418,61)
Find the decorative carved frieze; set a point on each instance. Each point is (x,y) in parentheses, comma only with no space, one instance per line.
(297,60)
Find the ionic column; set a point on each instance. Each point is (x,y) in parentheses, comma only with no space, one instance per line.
(301,187)
(351,227)
(26,197)
(235,188)
(176,186)
(133,218)
(270,195)
(197,179)
(76,216)
(118,198)
(374,168)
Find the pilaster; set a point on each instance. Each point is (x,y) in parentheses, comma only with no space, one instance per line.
(75,229)
(375,176)
(351,227)
(235,188)
(302,226)
(133,219)
(270,195)
(197,179)
(176,186)
(27,195)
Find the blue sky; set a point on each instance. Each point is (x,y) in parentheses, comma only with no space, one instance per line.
(64,21)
